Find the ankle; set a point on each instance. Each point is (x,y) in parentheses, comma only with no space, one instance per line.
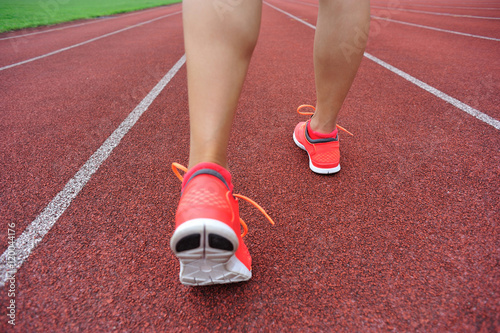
(322,127)
(207,157)
(199,167)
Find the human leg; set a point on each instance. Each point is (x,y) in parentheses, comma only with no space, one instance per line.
(219,37)
(341,24)
(219,40)
(339,43)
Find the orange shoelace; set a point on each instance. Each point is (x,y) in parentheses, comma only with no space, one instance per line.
(176,167)
(311,113)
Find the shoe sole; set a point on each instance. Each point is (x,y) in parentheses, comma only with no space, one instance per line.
(205,249)
(311,166)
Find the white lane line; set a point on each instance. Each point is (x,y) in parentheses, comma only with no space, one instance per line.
(292,16)
(440,14)
(34,233)
(455,102)
(55,29)
(436,29)
(87,41)
(437,6)
(305,3)
(94,20)
(414,25)
(406,4)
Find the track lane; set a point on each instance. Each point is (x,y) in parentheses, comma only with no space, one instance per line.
(410,177)
(34,233)
(444,8)
(56,119)
(474,14)
(423,54)
(403,236)
(390,11)
(465,25)
(435,29)
(32,46)
(65,25)
(449,4)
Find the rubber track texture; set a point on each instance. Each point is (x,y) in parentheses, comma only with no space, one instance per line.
(404,238)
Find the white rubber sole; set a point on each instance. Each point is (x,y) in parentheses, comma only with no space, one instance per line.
(205,248)
(311,166)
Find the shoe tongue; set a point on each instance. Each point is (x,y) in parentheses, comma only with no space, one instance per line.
(208,168)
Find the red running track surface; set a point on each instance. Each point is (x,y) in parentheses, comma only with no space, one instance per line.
(404,238)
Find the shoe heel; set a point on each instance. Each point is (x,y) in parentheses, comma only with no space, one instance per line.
(204,238)
(205,249)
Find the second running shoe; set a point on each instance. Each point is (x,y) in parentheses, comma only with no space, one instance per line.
(324,153)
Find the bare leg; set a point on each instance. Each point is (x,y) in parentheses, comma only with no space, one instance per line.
(219,36)
(339,43)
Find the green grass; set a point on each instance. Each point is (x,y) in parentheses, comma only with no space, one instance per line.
(18,14)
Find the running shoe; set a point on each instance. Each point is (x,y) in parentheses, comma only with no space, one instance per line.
(207,239)
(324,152)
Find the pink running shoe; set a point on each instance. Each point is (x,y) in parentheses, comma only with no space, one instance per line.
(207,237)
(324,153)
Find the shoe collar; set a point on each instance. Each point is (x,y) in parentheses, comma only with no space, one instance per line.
(212,169)
(314,141)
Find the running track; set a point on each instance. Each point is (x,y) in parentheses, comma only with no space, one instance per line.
(404,238)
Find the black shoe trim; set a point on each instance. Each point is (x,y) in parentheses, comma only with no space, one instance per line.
(313,141)
(189,242)
(208,172)
(219,242)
